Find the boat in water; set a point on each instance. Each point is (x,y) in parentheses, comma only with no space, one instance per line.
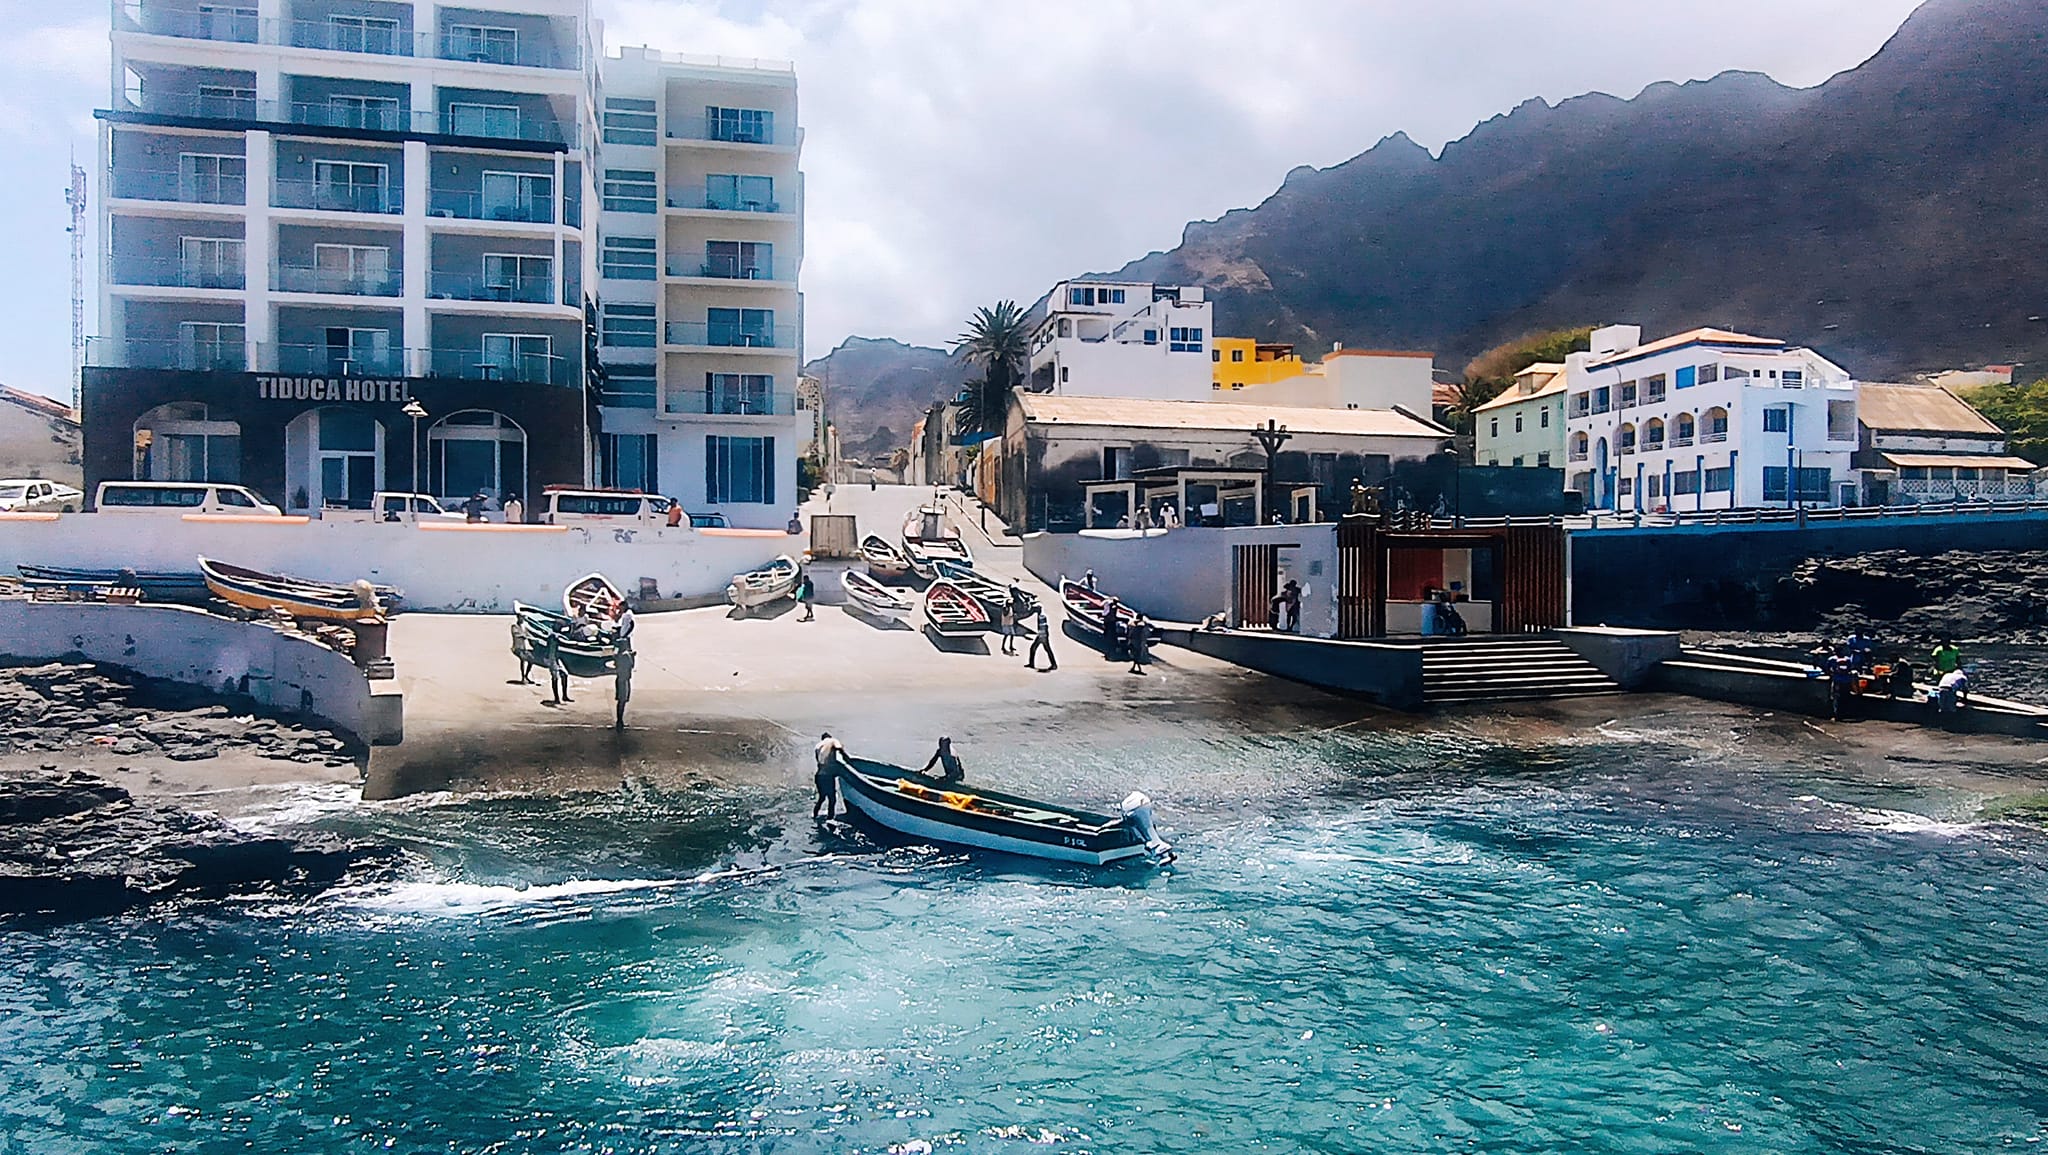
(592,596)
(955,612)
(871,597)
(300,597)
(156,586)
(992,593)
(954,814)
(885,562)
(1089,609)
(586,652)
(772,582)
(927,539)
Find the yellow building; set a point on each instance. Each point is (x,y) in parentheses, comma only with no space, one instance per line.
(1241,361)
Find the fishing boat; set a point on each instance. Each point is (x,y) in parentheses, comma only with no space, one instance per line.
(885,561)
(872,597)
(952,610)
(592,596)
(157,586)
(922,808)
(299,597)
(991,593)
(583,655)
(1087,608)
(771,582)
(927,539)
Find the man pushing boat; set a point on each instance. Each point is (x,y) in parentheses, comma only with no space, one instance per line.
(831,756)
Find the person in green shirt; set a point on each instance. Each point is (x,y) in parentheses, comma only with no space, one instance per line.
(1947,658)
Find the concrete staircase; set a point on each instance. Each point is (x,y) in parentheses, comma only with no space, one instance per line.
(1493,669)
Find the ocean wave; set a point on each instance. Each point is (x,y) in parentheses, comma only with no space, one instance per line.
(444,897)
(1848,816)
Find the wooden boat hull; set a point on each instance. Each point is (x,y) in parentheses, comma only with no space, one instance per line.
(1086,608)
(591,596)
(309,600)
(770,583)
(156,586)
(582,659)
(883,560)
(964,816)
(992,594)
(955,612)
(871,597)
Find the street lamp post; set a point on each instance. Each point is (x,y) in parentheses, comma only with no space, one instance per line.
(415,410)
(1270,436)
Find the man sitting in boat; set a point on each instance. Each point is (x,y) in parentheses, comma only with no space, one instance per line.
(947,761)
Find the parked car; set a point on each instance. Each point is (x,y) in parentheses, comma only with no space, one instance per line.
(708,521)
(575,506)
(39,495)
(393,507)
(180,497)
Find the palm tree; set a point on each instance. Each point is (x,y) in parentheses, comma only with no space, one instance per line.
(998,340)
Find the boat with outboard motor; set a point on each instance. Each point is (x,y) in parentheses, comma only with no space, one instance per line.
(992,594)
(1088,608)
(953,611)
(927,809)
(772,582)
(885,561)
(587,650)
(300,597)
(869,596)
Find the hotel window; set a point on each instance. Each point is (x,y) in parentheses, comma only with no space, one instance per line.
(380,112)
(520,357)
(225,100)
(1653,389)
(1793,379)
(1683,377)
(1601,400)
(741,260)
(518,277)
(209,179)
(1579,404)
(1708,374)
(498,121)
(1216,355)
(628,386)
(739,393)
(741,328)
(483,44)
(519,196)
(739,470)
(231,22)
(629,258)
(1686,482)
(349,186)
(1628,394)
(210,263)
(361,34)
(628,326)
(739,125)
(363,269)
(1814,484)
(1626,487)
(629,190)
(1841,421)
(735,193)
(1151,336)
(206,345)
(1720,480)
(629,121)
(629,462)
(1777,420)
(1180,340)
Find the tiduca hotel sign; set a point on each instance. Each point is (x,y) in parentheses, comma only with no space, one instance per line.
(374,390)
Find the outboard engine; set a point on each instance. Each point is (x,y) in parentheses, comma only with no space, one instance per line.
(1137,814)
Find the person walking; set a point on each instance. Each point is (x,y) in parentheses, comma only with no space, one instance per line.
(1007,621)
(830,755)
(805,591)
(622,682)
(558,674)
(1139,643)
(1041,639)
(522,648)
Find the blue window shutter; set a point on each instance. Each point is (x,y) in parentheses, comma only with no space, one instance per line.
(1683,379)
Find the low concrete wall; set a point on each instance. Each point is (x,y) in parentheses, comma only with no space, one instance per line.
(1183,575)
(279,672)
(447,567)
(1389,675)
(1630,657)
(1792,689)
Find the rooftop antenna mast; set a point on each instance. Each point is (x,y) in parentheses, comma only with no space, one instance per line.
(75,197)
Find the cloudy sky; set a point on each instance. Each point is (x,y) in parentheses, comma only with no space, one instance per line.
(959,151)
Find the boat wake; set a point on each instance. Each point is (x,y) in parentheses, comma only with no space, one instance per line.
(467,899)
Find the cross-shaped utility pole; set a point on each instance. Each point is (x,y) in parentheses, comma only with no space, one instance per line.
(1270,436)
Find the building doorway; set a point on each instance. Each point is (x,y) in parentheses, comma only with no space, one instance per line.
(334,459)
(180,442)
(476,451)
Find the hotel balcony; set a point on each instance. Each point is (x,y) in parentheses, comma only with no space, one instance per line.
(698,202)
(339,281)
(108,353)
(334,361)
(525,368)
(533,290)
(721,132)
(282,116)
(545,45)
(331,197)
(470,206)
(178,274)
(717,270)
(700,402)
(721,335)
(173,186)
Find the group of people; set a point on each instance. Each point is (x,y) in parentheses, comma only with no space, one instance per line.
(1011,622)
(614,622)
(1851,665)
(831,757)
(1167,518)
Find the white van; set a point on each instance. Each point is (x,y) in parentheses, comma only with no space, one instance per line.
(180,497)
(576,506)
(389,507)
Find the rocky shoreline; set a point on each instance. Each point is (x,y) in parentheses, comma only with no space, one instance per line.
(63,706)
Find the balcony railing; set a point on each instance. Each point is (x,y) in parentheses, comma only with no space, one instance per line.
(1681,441)
(721,204)
(635,394)
(1576,455)
(199,356)
(730,336)
(179,274)
(777,136)
(192,106)
(193,23)
(727,271)
(1713,437)
(355,198)
(470,206)
(1625,450)
(330,361)
(153,184)
(534,290)
(346,282)
(530,368)
(1653,446)
(729,403)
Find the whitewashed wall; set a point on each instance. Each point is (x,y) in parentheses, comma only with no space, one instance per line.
(452,568)
(1183,575)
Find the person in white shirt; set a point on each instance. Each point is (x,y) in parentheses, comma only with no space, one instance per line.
(515,510)
(831,755)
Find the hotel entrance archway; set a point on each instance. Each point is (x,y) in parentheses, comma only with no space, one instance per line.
(334,459)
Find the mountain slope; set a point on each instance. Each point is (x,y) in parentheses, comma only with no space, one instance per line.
(1893,216)
(877,388)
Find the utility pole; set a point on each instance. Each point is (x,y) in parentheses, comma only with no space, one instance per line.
(75,198)
(1270,436)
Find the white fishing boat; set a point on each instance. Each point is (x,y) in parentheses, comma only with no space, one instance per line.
(958,815)
(927,540)
(885,561)
(872,597)
(770,583)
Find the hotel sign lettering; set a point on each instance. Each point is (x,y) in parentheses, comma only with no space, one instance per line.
(376,390)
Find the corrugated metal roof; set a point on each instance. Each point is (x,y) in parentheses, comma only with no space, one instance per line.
(1720,337)
(1960,460)
(1919,409)
(1139,413)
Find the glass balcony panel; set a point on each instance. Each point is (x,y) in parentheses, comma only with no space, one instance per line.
(232,23)
(183,274)
(731,402)
(154,184)
(205,356)
(354,282)
(530,290)
(731,335)
(477,365)
(332,197)
(337,361)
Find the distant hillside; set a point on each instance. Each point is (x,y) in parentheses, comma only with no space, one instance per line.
(876,389)
(1895,217)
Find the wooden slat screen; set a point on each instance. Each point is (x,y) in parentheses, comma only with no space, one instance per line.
(1361,587)
(1531,579)
(1254,580)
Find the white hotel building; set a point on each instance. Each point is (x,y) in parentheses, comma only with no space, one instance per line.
(380,201)
(1707,419)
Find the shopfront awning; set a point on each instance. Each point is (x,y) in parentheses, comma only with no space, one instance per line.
(1956,461)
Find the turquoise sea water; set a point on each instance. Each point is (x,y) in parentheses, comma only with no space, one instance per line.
(1635,943)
